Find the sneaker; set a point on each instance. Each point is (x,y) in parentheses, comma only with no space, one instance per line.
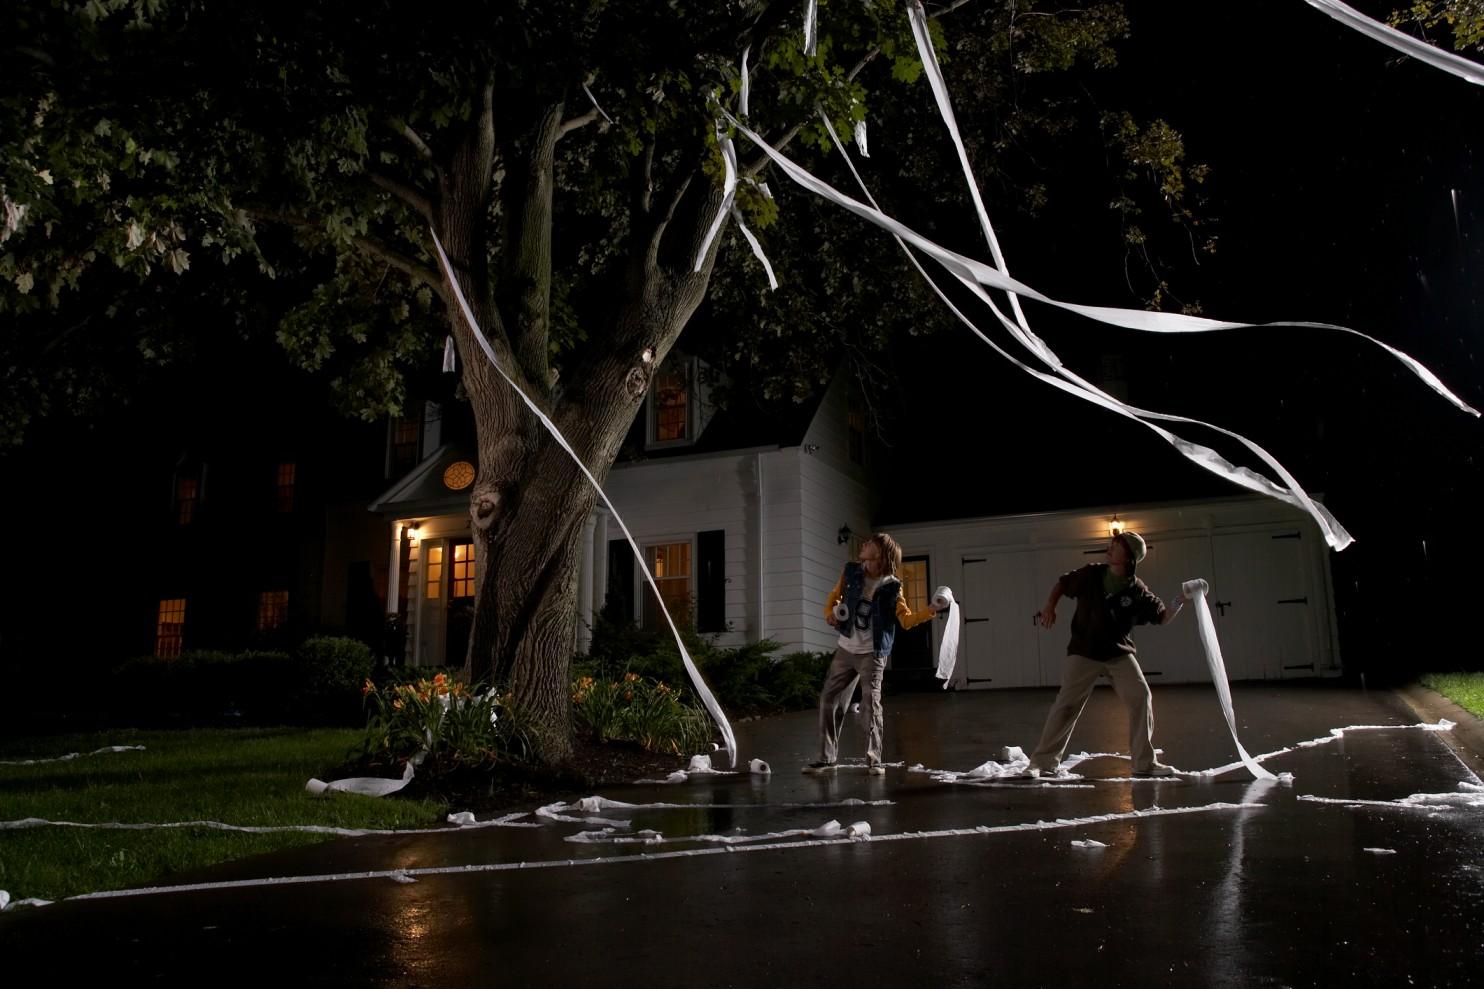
(1158,769)
(819,768)
(1031,773)
(876,770)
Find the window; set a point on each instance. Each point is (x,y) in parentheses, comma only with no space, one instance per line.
(435,572)
(914,647)
(670,566)
(856,424)
(402,455)
(671,403)
(273,610)
(170,627)
(463,571)
(187,491)
(914,575)
(285,487)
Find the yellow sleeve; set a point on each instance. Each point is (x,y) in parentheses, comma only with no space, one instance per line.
(835,597)
(907,618)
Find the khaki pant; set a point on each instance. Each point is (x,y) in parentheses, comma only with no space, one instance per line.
(1078,677)
(834,699)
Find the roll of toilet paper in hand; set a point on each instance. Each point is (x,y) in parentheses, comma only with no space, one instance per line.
(842,613)
(948,649)
(1193,587)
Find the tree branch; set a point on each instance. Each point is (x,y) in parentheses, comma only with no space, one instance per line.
(760,162)
(365,245)
(412,197)
(577,122)
(525,288)
(413,138)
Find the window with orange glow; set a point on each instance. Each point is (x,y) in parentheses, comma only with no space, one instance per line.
(273,610)
(435,571)
(671,413)
(463,571)
(285,487)
(186,489)
(170,627)
(670,564)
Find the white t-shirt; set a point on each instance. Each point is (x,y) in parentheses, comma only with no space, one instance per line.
(859,641)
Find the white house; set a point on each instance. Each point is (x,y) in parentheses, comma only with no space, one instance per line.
(745,526)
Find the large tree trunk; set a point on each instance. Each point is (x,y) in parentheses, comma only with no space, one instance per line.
(530,501)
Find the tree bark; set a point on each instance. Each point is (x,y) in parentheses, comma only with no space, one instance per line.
(529,502)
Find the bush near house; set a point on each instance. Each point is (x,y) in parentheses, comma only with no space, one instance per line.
(649,713)
(452,724)
(747,680)
(317,683)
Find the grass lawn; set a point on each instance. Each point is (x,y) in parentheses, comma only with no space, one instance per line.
(1464,689)
(235,776)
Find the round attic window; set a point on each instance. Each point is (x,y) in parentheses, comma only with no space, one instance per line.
(459,475)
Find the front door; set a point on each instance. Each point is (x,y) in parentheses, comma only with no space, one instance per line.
(460,604)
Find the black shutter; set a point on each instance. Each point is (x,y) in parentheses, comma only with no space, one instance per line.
(711,581)
(618,606)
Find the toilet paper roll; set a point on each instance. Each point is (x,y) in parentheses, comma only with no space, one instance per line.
(760,768)
(842,613)
(948,648)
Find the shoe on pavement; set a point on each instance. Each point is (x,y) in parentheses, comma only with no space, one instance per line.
(820,768)
(876,770)
(1158,769)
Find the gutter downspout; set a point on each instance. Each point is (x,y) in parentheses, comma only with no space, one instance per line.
(762,515)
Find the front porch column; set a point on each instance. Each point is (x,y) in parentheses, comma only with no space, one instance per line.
(394,572)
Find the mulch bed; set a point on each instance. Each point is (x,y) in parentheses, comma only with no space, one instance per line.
(507,787)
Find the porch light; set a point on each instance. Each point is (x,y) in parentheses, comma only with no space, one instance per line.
(1115,526)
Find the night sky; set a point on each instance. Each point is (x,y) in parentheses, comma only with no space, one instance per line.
(1336,167)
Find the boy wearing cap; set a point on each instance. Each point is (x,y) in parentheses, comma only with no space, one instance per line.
(1111,600)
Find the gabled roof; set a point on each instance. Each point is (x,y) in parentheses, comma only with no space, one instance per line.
(422,491)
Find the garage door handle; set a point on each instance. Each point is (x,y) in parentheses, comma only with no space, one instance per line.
(1294,601)
(1221,606)
(970,621)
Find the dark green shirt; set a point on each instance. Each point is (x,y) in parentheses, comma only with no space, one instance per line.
(1102,627)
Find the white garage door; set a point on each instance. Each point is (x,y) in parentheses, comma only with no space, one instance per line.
(1261,597)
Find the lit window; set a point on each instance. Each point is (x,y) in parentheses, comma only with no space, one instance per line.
(285,487)
(170,629)
(273,610)
(671,413)
(435,572)
(914,575)
(463,571)
(670,566)
(186,491)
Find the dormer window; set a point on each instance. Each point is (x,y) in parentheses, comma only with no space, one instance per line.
(403,435)
(672,404)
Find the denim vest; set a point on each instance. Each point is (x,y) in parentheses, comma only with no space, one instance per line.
(883,608)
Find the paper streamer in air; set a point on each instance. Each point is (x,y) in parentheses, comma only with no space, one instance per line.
(1457,65)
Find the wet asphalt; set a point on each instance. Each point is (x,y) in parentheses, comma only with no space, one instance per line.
(1195,881)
